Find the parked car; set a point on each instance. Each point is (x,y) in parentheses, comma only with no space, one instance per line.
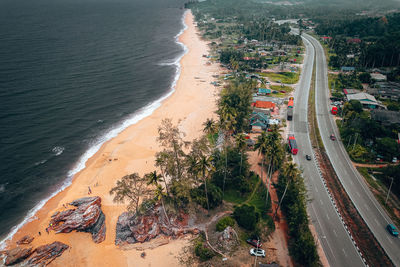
(392,230)
(308,157)
(394,160)
(283,91)
(253,242)
(333,138)
(257,252)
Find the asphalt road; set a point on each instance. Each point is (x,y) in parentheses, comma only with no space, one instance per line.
(366,204)
(335,241)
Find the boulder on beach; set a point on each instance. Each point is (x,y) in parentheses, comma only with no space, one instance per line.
(16,255)
(45,254)
(86,217)
(25,240)
(135,228)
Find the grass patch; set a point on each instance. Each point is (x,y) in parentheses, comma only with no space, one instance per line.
(316,140)
(234,196)
(283,77)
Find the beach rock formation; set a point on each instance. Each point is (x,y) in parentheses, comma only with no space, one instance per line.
(41,256)
(141,228)
(16,255)
(25,240)
(86,217)
(45,254)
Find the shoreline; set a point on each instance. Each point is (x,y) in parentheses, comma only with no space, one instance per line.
(132,150)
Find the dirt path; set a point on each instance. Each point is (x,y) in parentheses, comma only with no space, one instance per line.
(279,238)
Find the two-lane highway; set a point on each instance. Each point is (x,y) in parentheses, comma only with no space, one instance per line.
(335,241)
(366,204)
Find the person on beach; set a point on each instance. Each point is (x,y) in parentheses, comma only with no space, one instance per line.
(40,233)
(90,190)
(47,230)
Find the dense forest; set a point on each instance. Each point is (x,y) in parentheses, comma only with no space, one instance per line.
(374,42)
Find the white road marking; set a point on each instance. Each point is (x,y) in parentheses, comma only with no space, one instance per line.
(376,221)
(322,203)
(335,232)
(391,242)
(358,194)
(344,252)
(327,216)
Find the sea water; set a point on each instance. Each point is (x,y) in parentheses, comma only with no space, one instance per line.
(73,74)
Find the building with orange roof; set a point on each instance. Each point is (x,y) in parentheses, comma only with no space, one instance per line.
(264,105)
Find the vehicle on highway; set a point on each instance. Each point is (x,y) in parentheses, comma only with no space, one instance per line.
(257,252)
(289,114)
(254,242)
(392,230)
(292,145)
(308,157)
(333,138)
(394,160)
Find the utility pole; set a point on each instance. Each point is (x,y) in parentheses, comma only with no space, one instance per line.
(390,187)
(255,261)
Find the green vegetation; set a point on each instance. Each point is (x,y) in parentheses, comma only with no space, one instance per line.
(293,202)
(201,249)
(364,138)
(283,77)
(246,216)
(224,222)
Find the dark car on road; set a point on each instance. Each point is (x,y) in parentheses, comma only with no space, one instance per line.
(392,230)
(333,138)
(253,242)
(308,157)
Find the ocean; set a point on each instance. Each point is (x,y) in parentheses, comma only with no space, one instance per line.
(73,74)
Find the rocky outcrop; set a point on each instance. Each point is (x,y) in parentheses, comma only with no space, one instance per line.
(41,256)
(16,255)
(86,217)
(45,254)
(228,240)
(141,228)
(25,240)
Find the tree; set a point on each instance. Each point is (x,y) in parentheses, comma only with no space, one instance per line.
(153,178)
(131,187)
(159,196)
(262,147)
(163,161)
(241,145)
(210,128)
(289,171)
(205,165)
(246,216)
(171,138)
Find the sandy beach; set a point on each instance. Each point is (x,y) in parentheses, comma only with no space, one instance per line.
(131,151)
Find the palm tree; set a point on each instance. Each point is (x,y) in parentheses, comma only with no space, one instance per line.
(227,120)
(161,162)
(210,127)
(159,196)
(262,147)
(241,145)
(290,171)
(205,165)
(153,178)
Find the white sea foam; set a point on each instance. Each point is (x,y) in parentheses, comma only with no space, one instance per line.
(58,150)
(40,162)
(133,119)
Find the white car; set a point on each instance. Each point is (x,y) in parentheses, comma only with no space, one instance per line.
(257,252)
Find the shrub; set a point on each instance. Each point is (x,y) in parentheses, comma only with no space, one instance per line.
(203,252)
(214,195)
(224,222)
(246,216)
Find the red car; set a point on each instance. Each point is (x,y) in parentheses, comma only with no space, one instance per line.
(253,242)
